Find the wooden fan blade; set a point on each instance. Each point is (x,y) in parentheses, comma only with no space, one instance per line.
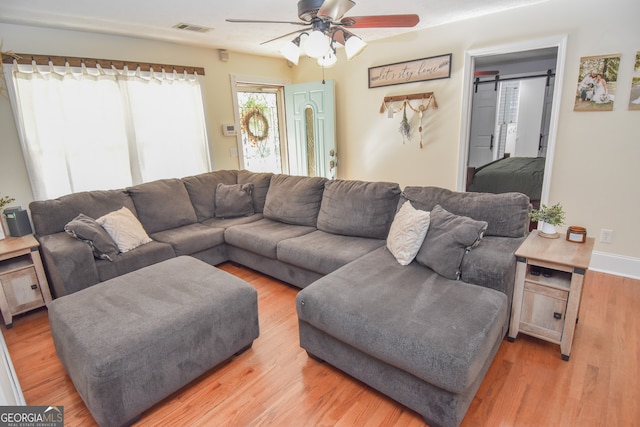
(285,35)
(335,9)
(339,34)
(381,21)
(257,21)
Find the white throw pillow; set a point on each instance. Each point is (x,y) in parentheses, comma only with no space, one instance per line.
(407,232)
(124,228)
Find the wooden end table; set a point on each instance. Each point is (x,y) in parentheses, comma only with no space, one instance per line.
(23,283)
(548,289)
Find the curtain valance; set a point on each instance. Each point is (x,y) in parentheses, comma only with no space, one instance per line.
(25,58)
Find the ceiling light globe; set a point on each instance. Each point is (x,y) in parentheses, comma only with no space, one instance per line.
(328,60)
(317,44)
(291,51)
(353,46)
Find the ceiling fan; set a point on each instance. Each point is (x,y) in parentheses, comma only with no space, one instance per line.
(326,25)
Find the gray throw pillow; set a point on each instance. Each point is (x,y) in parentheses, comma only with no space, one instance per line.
(89,231)
(448,239)
(234,200)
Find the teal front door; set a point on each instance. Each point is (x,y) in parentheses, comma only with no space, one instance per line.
(311,134)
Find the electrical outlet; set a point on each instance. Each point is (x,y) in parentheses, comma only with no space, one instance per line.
(606,235)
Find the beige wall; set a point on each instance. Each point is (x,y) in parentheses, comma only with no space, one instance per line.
(595,170)
(595,173)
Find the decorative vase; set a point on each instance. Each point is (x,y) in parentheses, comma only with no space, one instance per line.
(548,230)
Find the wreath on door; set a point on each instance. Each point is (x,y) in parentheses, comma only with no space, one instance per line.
(255,125)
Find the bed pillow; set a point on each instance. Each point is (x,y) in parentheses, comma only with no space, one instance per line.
(233,200)
(125,229)
(407,232)
(449,237)
(89,231)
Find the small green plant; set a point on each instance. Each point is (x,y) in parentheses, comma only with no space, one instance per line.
(553,215)
(4,201)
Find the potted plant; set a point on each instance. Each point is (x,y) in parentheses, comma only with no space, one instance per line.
(550,218)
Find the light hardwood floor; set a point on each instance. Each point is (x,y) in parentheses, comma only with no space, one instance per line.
(275,383)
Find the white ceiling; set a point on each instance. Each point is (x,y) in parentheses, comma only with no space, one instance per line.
(154,19)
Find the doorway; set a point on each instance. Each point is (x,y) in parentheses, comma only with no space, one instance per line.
(515,58)
(261,138)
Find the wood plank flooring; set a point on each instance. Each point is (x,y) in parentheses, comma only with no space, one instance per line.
(275,383)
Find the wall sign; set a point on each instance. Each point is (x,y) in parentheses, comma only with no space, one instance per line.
(432,68)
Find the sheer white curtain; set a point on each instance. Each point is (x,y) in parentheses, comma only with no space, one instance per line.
(98,129)
(168,123)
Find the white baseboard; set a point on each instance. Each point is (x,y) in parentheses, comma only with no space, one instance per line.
(618,265)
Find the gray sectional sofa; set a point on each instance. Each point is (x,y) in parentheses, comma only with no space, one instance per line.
(423,333)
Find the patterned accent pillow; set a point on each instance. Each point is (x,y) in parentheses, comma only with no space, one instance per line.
(125,229)
(408,230)
(89,231)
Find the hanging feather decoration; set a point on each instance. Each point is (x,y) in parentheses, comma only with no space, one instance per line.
(405,127)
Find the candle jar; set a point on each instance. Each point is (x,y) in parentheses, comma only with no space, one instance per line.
(576,234)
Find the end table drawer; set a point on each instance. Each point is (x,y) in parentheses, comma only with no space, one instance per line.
(543,311)
(22,290)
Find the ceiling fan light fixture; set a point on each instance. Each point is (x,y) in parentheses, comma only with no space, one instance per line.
(291,51)
(328,60)
(317,44)
(353,46)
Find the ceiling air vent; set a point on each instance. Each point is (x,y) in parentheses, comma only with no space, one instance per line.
(191,27)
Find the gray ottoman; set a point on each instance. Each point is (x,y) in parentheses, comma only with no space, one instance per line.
(129,342)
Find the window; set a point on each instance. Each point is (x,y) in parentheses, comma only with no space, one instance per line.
(90,129)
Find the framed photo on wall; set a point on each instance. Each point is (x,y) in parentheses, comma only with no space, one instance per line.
(634,98)
(597,81)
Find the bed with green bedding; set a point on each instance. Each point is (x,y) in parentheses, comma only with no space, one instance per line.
(521,174)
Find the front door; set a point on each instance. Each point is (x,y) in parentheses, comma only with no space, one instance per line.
(310,117)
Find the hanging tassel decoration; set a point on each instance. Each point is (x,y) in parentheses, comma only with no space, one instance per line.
(405,127)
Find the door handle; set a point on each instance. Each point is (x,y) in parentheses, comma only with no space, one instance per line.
(491,143)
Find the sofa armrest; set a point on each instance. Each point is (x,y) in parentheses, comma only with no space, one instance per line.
(492,264)
(69,263)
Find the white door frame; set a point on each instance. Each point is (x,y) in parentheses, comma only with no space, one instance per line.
(559,42)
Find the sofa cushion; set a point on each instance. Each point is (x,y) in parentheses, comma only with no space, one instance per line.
(262,237)
(234,200)
(358,208)
(190,239)
(294,199)
(408,230)
(507,214)
(125,229)
(162,204)
(410,318)
(202,190)
(50,216)
(449,237)
(261,182)
(89,231)
(323,252)
(134,259)
(230,222)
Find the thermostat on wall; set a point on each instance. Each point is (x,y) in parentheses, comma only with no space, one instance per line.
(228,130)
